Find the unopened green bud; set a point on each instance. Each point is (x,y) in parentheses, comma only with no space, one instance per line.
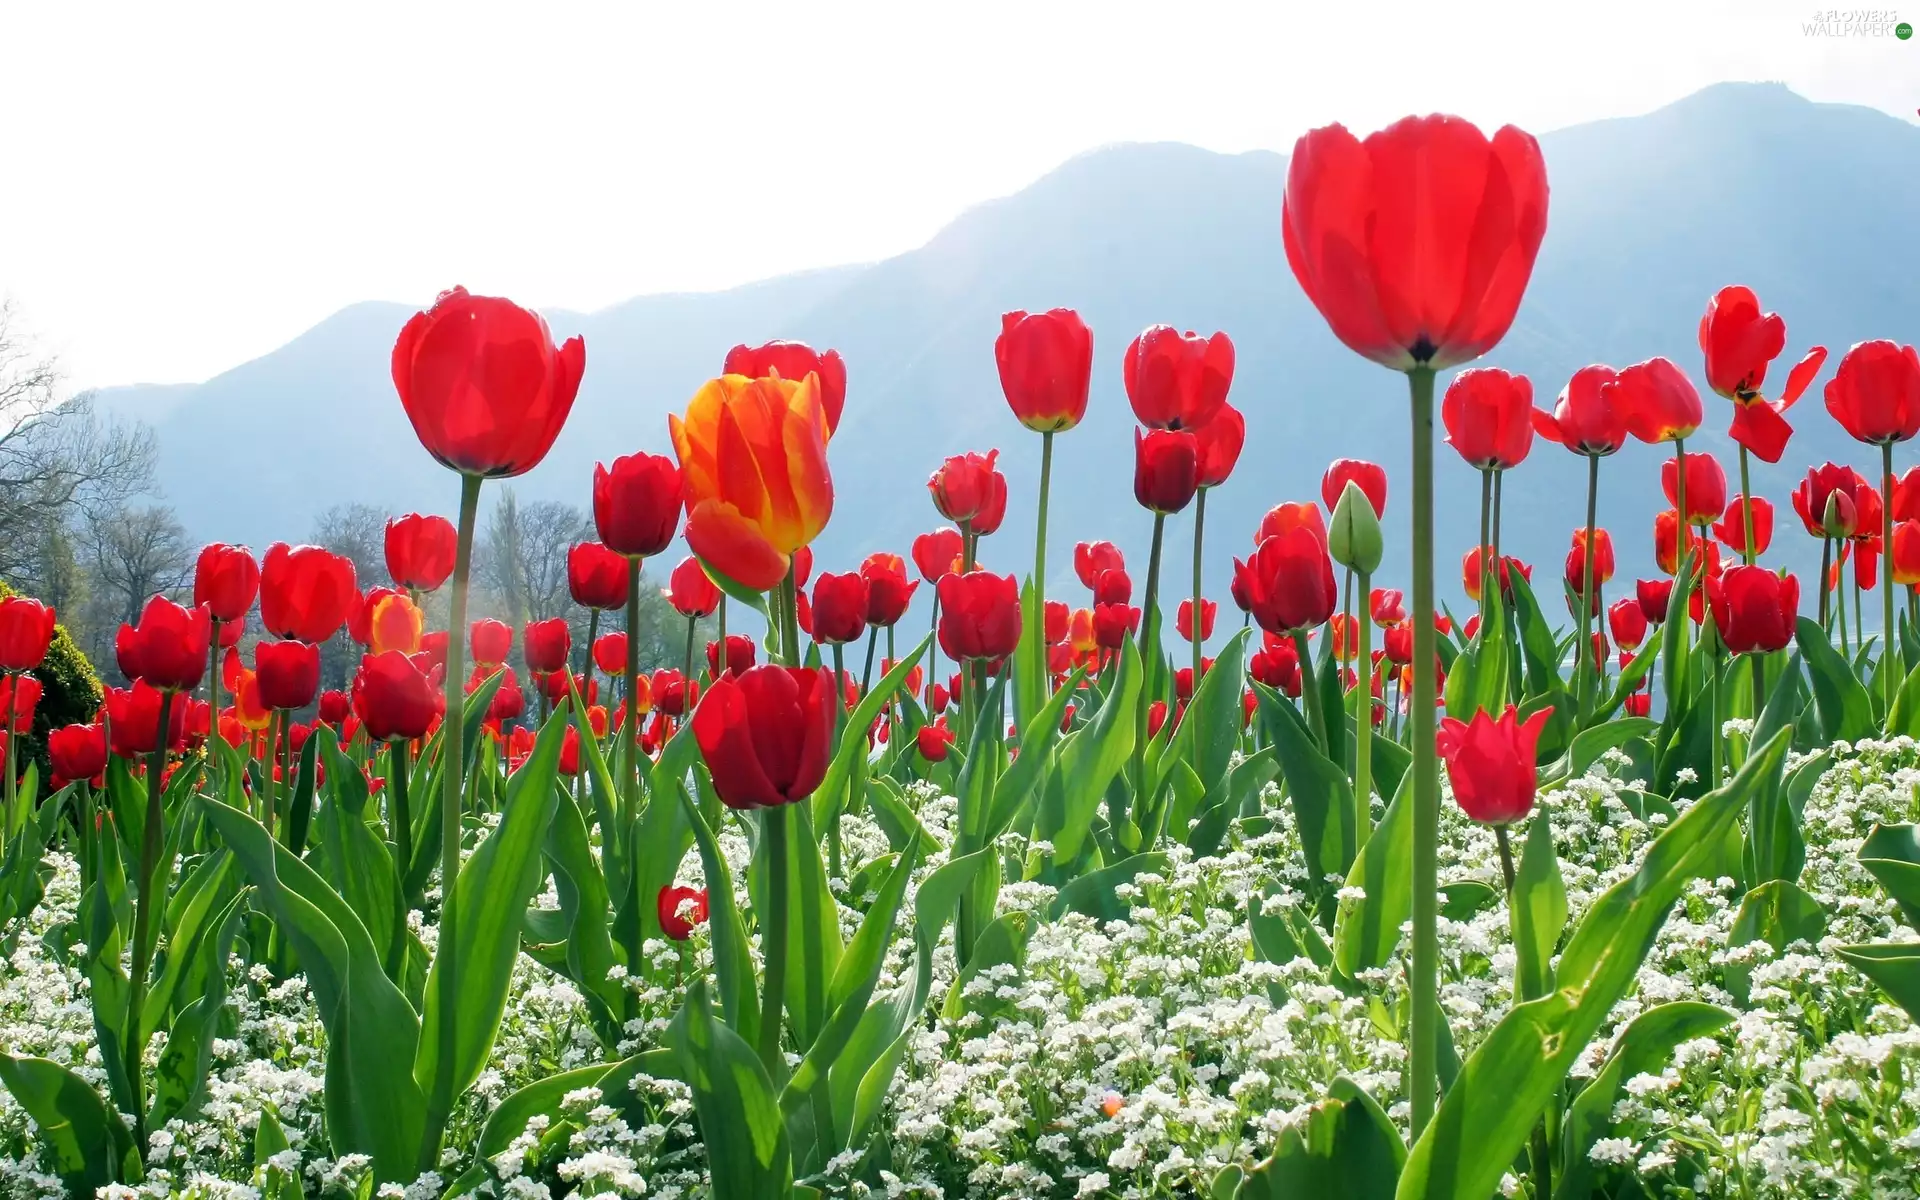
(1353,536)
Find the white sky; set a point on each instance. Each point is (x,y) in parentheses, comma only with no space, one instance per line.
(187,185)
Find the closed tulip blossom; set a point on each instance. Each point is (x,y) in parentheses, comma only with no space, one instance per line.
(1217,446)
(597,576)
(795,360)
(1755,609)
(839,608)
(1628,620)
(490,641)
(1732,528)
(306,592)
(288,673)
(393,622)
(748,516)
(670,692)
(1282,518)
(690,591)
(1875,394)
(938,553)
(1176,380)
(679,909)
(1371,477)
(1113,624)
(394,699)
(1654,596)
(766,735)
(1113,586)
(1658,400)
(1489,417)
(934,739)
(636,504)
(1492,763)
(1289,582)
(167,649)
(77,752)
(1905,561)
(26,630)
(1165,470)
(889,591)
(19,697)
(970,491)
(1588,417)
(610,653)
(1046,367)
(1183,620)
(1576,566)
(1706,491)
(739,655)
(133,719)
(226,580)
(420,551)
(546,645)
(979,615)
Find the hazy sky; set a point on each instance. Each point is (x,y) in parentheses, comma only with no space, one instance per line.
(187,185)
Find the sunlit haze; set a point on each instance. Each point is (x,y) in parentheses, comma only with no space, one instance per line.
(190,185)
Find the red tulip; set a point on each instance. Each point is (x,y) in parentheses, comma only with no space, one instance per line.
(546,645)
(597,577)
(1283,518)
(1277,664)
(937,698)
(1875,395)
(979,615)
(225,579)
(288,673)
(970,491)
(1091,559)
(1371,477)
(1732,528)
(681,908)
(1906,496)
(839,608)
(934,739)
(26,630)
(483,384)
(1706,487)
(1113,623)
(420,551)
(19,696)
(1472,572)
(1057,616)
(636,503)
(1657,399)
(1489,417)
(1166,469)
(1628,620)
(335,707)
(1175,380)
(691,591)
(306,592)
(1755,609)
(77,751)
(433,647)
(490,641)
(1577,560)
(669,691)
(795,360)
(394,699)
(740,653)
(1654,596)
(1289,582)
(767,734)
(1417,243)
(1491,763)
(1638,705)
(1183,620)
(168,648)
(1397,644)
(1113,587)
(1587,417)
(1867,508)
(610,653)
(1866,563)
(1046,364)
(889,591)
(1388,606)
(938,553)
(133,719)
(1739,342)
(1906,553)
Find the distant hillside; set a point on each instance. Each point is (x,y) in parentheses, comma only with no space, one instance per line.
(1810,204)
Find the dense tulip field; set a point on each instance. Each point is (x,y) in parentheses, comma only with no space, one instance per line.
(1616,900)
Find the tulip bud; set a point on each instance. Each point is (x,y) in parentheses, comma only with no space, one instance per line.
(1840,516)
(1353,535)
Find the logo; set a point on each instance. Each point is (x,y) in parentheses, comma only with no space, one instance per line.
(1903,31)
(1855,23)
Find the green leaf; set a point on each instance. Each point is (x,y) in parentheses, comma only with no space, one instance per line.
(1773,847)
(1323,802)
(852,751)
(1015,785)
(188,1055)
(1539,910)
(1844,707)
(544,1097)
(1478,680)
(1895,966)
(1366,929)
(1642,1048)
(1030,657)
(373,1105)
(1673,637)
(89,1146)
(1484,1121)
(1095,894)
(1778,913)
(1892,854)
(1904,717)
(1589,745)
(746,1139)
(1344,1148)
(1089,759)
(1001,943)
(490,898)
(350,855)
(732,962)
(1785,704)
(584,909)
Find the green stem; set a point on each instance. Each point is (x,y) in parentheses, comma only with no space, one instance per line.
(1310,687)
(1583,648)
(1710,635)
(1887,661)
(1748,553)
(452,773)
(213,690)
(630,722)
(1363,715)
(1040,532)
(866,673)
(1423,1076)
(400,817)
(6,763)
(839,726)
(1683,541)
(1149,656)
(134,1051)
(1488,565)
(686,674)
(1826,571)
(721,634)
(1199,540)
(773,938)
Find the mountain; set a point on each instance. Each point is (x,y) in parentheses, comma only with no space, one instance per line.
(1807,203)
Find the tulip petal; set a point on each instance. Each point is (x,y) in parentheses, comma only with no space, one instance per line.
(730,545)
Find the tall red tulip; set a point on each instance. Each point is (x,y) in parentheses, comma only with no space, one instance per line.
(767,734)
(1491,763)
(1587,416)
(168,648)
(1282,518)
(795,360)
(77,751)
(1658,400)
(839,608)
(739,655)
(979,615)
(420,551)
(937,553)
(546,645)
(1628,619)
(1113,623)
(1218,444)
(1875,395)
(1184,619)
(1739,342)
(393,698)
(306,592)
(889,591)
(26,630)
(1577,559)
(1166,469)
(1755,609)
(1824,501)
(133,720)
(636,504)
(690,591)
(1904,562)
(970,491)
(1706,487)
(1289,582)
(490,640)
(1906,496)
(1093,559)
(597,576)
(1113,586)
(1371,477)
(288,673)
(1732,528)
(226,580)
(1176,380)
(485,387)
(1489,417)
(1046,366)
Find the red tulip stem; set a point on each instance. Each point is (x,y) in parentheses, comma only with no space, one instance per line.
(1747,550)
(1423,1076)
(1197,626)
(1506,858)
(1363,717)
(452,773)
(1826,569)
(1488,564)
(1040,537)
(6,761)
(213,688)
(1150,658)
(866,673)
(630,725)
(1683,541)
(400,819)
(1889,662)
(773,940)
(839,727)
(693,632)
(133,1052)
(1583,648)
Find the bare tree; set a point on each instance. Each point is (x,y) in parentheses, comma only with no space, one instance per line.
(58,461)
(129,554)
(359,532)
(523,556)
